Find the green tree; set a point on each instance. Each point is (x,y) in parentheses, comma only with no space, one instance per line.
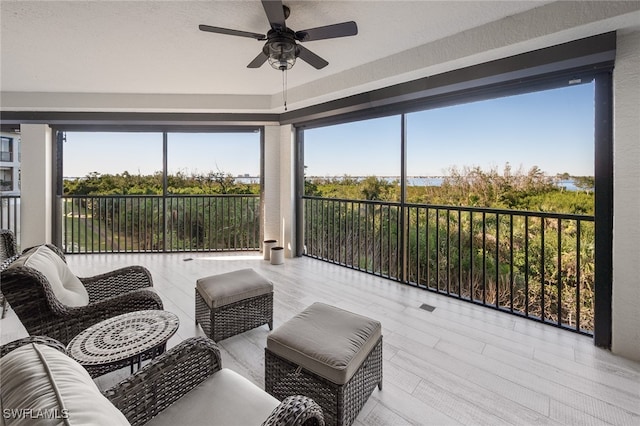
(585,183)
(373,188)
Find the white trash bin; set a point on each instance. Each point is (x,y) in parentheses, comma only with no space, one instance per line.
(266,247)
(277,255)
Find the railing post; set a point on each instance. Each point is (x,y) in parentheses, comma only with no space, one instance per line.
(165,181)
(404,212)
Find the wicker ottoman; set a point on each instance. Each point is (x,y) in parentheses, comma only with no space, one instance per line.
(232,303)
(328,354)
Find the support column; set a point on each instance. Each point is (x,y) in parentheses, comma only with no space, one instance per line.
(626,202)
(279,187)
(36,191)
(271,202)
(287,191)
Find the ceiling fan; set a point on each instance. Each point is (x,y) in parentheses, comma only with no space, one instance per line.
(281,49)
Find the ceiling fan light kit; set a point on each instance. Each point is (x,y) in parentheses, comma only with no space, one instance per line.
(281,48)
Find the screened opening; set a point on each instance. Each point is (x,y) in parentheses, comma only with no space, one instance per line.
(532,151)
(358,160)
(160,191)
(107,163)
(213,163)
(491,201)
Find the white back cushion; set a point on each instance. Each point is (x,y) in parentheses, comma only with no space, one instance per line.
(65,285)
(38,380)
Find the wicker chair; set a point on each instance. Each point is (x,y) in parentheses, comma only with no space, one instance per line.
(165,380)
(8,253)
(32,299)
(170,376)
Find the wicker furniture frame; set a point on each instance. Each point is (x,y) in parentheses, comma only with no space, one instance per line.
(340,403)
(42,340)
(169,377)
(8,253)
(110,294)
(234,318)
(121,338)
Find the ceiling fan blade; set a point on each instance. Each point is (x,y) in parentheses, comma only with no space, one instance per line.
(275,13)
(258,61)
(218,30)
(343,29)
(311,58)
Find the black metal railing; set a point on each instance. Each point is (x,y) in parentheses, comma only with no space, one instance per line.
(175,223)
(535,264)
(10,214)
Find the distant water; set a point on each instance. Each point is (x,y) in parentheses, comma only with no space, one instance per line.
(425,181)
(248,179)
(568,184)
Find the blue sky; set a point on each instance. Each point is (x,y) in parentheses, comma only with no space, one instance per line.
(141,153)
(553,130)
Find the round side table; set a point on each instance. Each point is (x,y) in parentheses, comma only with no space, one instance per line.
(126,336)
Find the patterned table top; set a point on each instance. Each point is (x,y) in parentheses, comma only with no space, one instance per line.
(122,337)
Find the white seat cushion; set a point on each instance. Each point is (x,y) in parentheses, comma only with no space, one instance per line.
(226,398)
(68,289)
(329,341)
(224,289)
(41,385)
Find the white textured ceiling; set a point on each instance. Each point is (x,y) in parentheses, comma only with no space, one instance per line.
(118,48)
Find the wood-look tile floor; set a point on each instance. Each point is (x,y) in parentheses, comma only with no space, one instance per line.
(459,364)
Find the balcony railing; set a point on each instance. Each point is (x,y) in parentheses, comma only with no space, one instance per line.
(10,214)
(534,264)
(176,223)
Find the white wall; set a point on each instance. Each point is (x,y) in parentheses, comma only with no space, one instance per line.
(36,201)
(626,219)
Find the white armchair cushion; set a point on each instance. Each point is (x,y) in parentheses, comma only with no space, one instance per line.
(68,289)
(225,398)
(41,385)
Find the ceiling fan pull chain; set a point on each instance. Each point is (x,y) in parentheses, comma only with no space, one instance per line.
(284,88)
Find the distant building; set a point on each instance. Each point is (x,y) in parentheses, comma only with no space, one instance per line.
(9,163)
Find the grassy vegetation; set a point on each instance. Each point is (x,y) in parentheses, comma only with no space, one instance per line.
(473,187)
(211,183)
(537,265)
